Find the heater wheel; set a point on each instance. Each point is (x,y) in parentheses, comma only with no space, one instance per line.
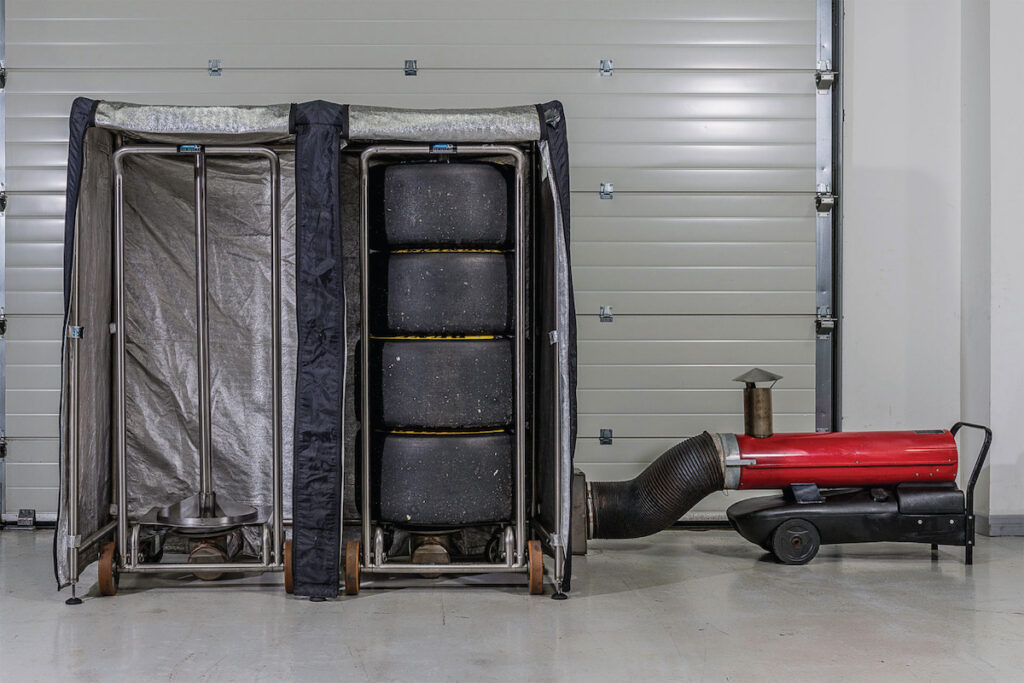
(795,541)
(289,579)
(107,570)
(352,568)
(535,556)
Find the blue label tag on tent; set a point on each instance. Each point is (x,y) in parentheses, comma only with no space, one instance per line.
(442,148)
(189,149)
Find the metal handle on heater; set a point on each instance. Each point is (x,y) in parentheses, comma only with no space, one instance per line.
(975,473)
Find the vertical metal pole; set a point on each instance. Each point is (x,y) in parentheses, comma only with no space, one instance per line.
(825,322)
(520,350)
(206,496)
(73,441)
(275,257)
(557,367)
(119,357)
(364,353)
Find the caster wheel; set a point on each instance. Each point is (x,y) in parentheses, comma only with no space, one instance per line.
(535,557)
(107,570)
(153,549)
(795,541)
(494,550)
(352,568)
(289,579)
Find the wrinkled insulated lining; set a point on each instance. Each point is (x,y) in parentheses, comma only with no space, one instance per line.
(161,377)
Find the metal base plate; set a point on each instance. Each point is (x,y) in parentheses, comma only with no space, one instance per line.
(187,515)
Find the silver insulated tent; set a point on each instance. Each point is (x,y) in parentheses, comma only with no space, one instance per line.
(316,198)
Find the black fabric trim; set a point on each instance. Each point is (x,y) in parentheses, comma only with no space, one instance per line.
(543,122)
(291,118)
(320,381)
(553,130)
(81,118)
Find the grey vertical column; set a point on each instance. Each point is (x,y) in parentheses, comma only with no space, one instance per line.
(825,77)
(3,260)
(207,506)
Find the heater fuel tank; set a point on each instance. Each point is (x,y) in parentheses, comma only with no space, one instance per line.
(839,459)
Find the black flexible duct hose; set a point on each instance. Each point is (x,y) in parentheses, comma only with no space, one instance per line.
(661,494)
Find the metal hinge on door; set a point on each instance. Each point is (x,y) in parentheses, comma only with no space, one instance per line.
(824,202)
(824,77)
(824,323)
(3,323)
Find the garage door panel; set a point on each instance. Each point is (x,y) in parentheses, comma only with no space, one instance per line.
(31,450)
(34,206)
(696,205)
(32,401)
(709,255)
(692,279)
(712,352)
(695,303)
(355,29)
(625,231)
(34,279)
(683,401)
(32,474)
(44,302)
(691,179)
(683,376)
(468,54)
(680,426)
(801,11)
(643,329)
(34,254)
(627,156)
(42,499)
(33,376)
(35,352)
(27,229)
(729,95)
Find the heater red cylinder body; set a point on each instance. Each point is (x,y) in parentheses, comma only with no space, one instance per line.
(847,459)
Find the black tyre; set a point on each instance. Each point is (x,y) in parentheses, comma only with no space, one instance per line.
(795,541)
(436,384)
(440,204)
(441,293)
(444,480)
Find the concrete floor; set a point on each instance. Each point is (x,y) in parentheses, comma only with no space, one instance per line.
(677,606)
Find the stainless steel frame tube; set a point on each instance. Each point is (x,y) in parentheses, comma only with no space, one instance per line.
(206,479)
(73,459)
(207,504)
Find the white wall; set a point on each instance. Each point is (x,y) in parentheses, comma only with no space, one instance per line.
(901,214)
(933,281)
(1007,269)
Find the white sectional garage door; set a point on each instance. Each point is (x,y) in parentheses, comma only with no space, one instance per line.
(706,129)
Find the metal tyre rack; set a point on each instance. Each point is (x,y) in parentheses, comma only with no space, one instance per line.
(204,514)
(520,554)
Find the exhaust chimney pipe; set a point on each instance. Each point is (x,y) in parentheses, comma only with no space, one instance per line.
(757,402)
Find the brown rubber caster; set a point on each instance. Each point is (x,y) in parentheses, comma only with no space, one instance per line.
(107,570)
(352,568)
(289,580)
(535,557)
